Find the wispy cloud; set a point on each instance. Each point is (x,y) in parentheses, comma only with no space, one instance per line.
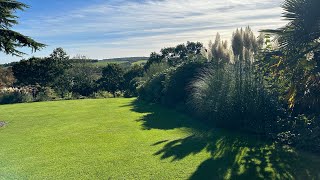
(119,28)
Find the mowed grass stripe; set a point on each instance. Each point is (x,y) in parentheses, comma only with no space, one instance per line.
(129,139)
(83,139)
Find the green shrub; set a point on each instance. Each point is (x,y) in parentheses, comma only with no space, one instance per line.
(152,89)
(176,84)
(217,98)
(300,131)
(101,95)
(46,94)
(132,90)
(154,69)
(15,97)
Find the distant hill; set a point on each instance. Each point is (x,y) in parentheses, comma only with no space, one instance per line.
(130,60)
(126,59)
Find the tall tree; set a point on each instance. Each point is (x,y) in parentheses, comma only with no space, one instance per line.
(112,78)
(297,57)
(11,40)
(302,34)
(59,54)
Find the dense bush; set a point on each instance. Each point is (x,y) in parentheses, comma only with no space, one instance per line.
(152,89)
(131,80)
(301,131)
(41,71)
(112,79)
(7,78)
(101,95)
(216,97)
(11,96)
(46,94)
(176,83)
(154,69)
(133,86)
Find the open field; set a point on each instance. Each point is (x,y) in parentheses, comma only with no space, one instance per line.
(128,139)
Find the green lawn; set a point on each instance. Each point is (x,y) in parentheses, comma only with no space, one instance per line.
(106,63)
(140,62)
(128,139)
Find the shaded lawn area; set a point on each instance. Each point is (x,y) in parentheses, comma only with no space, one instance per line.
(130,139)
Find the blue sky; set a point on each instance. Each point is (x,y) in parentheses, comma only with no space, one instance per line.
(120,28)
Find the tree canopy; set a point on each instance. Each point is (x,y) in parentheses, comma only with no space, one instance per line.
(11,40)
(301,35)
(112,78)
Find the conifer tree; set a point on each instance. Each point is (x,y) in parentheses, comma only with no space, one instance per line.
(11,40)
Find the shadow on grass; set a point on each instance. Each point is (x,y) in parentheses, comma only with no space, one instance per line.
(233,155)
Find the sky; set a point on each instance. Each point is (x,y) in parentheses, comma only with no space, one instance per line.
(102,29)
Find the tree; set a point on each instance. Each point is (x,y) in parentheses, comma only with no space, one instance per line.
(297,57)
(154,58)
(176,55)
(301,35)
(11,40)
(59,54)
(112,78)
(129,83)
(84,76)
(42,71)
(6,77)
(194,47)
(135,71)
(80,77)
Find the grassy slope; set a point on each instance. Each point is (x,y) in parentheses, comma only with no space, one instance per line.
(126,139)
(105,63)
(140,62)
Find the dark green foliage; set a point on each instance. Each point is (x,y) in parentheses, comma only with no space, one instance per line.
(11,40)
(152,89)
(150,86)
(292,70)
(154,58)
(80,78)
(132,90)
(6,77)
(112,79)
(175,56)
(59,54)
(42,71)
(301,35)
(297,55)
(169,86)
(216,98)
(46,94)
(301,131)
(83,76)
(130,80)
(15,97)
(176,85)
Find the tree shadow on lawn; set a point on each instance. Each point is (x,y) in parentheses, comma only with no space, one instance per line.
(233,155)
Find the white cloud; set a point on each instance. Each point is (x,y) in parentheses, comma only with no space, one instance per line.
(126,28)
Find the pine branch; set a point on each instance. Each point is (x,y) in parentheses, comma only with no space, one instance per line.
(11,40)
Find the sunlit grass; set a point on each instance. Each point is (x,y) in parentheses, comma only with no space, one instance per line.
(127,139)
